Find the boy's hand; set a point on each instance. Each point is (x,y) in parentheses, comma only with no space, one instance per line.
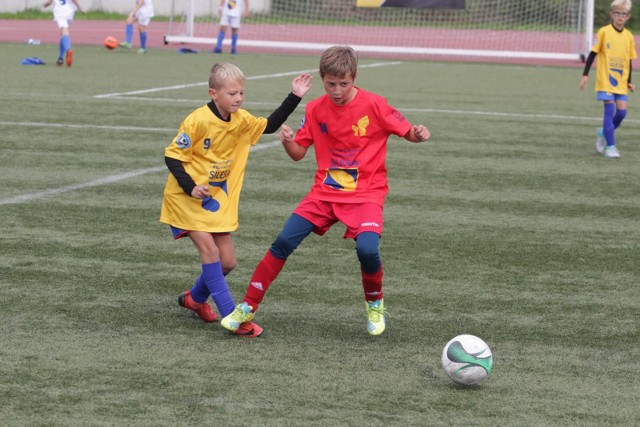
(583,82)
(632,87)
(421,133)
(286,134)
(301,84)
(200,191)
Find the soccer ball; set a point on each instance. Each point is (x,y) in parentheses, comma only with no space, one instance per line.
(111,42)
(467,360)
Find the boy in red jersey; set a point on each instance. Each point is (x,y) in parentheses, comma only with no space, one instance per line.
(349,128)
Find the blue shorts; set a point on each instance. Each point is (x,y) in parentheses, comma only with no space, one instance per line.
(608,96)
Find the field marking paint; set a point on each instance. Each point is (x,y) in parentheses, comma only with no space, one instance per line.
(500,114)
(74,126)
(264,76)
(25,198)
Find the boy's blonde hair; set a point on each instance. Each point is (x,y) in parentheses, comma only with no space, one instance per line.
(621,4)
(338,61)
(222,72)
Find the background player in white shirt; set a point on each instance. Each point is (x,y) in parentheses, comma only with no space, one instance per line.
(63,12)
(231,12)
(142,14)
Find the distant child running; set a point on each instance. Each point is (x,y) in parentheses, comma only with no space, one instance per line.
(142,14)
(349,128)
(231,12)
(615,48)
(63,13)
(207,160)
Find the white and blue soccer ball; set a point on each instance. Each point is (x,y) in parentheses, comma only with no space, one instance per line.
(467,360)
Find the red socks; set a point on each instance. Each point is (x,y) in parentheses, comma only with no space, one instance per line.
(372,285)
(265,273)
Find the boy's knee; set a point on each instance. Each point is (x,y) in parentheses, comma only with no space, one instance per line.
(367,249)
(229,266)
(282,247)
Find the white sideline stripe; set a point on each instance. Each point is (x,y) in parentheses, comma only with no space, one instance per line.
(498,114)
(74,126)
(264,76)
(24,198)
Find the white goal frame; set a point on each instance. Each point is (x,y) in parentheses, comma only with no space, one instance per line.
(192,19)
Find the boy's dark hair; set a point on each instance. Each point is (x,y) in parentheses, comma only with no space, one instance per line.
(338,61)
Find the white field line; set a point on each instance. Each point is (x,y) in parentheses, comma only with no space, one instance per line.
(25,198)
(261,77)
(76,126)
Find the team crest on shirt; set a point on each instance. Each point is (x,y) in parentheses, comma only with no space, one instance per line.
(360,129)
(183,140)
(398,115)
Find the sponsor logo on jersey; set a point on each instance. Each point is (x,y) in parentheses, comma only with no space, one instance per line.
(209,203)
(342,179)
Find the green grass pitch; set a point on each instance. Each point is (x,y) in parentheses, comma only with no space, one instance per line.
(506,225)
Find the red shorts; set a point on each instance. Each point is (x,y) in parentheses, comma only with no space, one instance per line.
(357,217)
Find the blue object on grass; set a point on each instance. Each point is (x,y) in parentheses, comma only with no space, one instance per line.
(187,50)
(32,60)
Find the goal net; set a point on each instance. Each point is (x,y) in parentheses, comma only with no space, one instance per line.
(480,29)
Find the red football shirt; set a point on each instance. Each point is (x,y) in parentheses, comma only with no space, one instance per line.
(351,146)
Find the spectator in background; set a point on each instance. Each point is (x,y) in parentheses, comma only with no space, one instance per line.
(63,13)
(142,14)
(231,12)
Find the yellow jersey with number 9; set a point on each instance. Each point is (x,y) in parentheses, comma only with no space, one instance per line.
(214,153)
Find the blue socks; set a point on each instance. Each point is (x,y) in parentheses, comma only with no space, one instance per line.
(129,33)
(65,45)
(234,42)
(217,285)
(143,40)
(618,118)
(607,123)
(612,120)
(199,292)
(220,39)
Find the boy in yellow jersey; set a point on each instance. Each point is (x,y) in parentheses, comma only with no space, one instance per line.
(615,48)
(207,160)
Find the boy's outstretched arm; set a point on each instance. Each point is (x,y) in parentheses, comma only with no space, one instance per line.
(417,133)
(299,87)
(301,84)
(295,151)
